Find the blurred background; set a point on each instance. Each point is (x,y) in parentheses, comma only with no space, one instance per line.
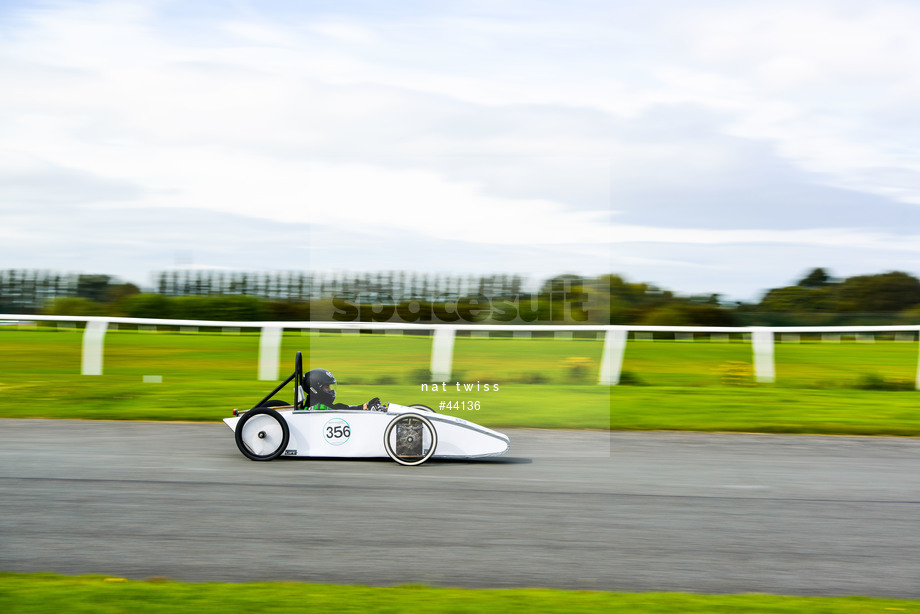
(707,165)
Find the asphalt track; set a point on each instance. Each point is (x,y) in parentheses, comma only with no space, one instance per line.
(713,513)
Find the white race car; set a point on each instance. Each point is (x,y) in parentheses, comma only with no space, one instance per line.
(410,435)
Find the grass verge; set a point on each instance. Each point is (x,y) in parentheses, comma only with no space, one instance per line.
(43,593)
(755,409)
(852,389)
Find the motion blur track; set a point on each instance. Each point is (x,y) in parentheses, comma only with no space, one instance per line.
(710,513)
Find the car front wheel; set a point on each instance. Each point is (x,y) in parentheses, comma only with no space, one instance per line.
(410,439)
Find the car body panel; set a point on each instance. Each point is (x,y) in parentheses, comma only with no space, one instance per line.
(344,433)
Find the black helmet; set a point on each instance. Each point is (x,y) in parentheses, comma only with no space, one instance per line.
(320,386)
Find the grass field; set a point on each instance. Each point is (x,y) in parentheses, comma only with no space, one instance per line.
(544,382)
(49,593)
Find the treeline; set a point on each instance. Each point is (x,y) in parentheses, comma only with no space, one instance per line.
(820,299)
(816,299)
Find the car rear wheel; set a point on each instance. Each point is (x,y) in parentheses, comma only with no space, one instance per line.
(410,439)
(423,408)
(262,434)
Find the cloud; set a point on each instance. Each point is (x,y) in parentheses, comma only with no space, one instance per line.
(827,82)
(482,135)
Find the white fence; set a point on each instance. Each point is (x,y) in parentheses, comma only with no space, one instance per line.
(442,344)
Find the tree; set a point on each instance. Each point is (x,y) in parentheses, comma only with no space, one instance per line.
(893,291)
(688,314)
(818,278)
(797,298)
(73,306)
(115,292)
(145,306)
(93,287)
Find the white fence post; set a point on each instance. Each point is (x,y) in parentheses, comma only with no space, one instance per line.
(762,341)
(612,359)
(917,385)
(93,336)
(269,352)
(442,353)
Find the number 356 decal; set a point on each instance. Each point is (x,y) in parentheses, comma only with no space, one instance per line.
(336,432)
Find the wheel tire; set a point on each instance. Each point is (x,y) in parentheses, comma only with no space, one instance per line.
(262,434)
(410,419)
(423,408)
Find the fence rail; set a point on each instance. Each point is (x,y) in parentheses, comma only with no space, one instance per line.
(615,337)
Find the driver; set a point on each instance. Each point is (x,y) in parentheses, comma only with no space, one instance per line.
(320,386)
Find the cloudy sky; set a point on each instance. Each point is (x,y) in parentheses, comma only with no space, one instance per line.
(715,146)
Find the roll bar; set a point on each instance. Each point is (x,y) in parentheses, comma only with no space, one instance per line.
(297,378)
